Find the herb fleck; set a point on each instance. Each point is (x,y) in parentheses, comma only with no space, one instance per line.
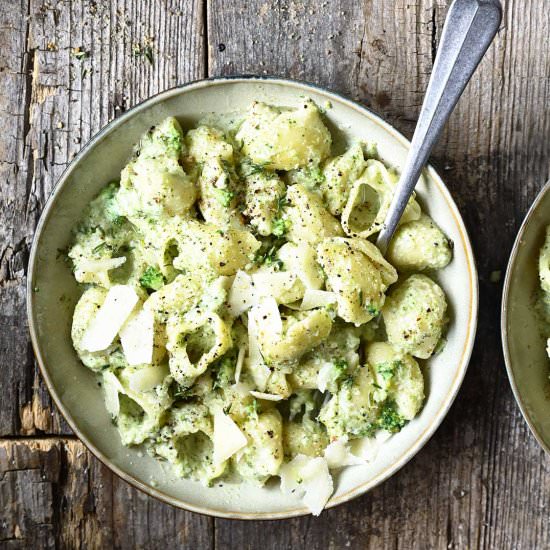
(79,53)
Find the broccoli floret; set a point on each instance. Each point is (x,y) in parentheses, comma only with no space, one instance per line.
(267,254)
(166,139)
(224,197)
(311,177)
(224,372)
(315,173)
(279,227)
(348,381)
(373,310)
(387,370)
(390,420)
(171,139)
(152,279)
(341,369)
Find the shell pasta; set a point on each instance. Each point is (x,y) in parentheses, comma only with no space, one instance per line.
(236,310)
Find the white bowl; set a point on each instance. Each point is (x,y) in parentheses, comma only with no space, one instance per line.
(50,309)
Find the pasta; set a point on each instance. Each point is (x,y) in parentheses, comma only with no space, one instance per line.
(369,200)
(252,327)
(419,245)
(414,315)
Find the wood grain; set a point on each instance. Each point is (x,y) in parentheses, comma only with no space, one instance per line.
(482,481)
(55,495)
(66,69)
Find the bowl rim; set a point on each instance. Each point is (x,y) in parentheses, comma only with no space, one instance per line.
(421,440)
(511,267)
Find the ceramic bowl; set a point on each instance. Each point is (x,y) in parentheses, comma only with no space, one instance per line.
(523,337)
(73,386)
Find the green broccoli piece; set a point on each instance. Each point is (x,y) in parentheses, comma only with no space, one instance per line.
(224,373)
(341,372)
(166,139)
(279,227)
(347,381)
(152,279)
(252,409)
(316,175)
(224,197)
(171,138)
(387,370)
(267,254)
(372,310)
(390,420)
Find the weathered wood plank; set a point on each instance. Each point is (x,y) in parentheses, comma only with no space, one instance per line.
(482,481)
(470,486)
(66,69)
(54,494)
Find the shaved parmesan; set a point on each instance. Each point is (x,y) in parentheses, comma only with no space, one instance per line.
(136,337)
(227,439)
(310,478)
(241,389)
(239,365)
(104,327)
(267,316)
(327,374)
(255,363)
(262,317)
(266,396)
(147,378)
(368,447)
(274,284)
(253,345)
(338,455)
(241,294)
(318,298)
(301,259)
(260,373)
(97,266)
(111,388)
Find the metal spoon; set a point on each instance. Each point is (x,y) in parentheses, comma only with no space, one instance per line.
(469,28)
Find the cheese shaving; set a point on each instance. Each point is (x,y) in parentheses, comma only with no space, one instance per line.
(318,298)
(367,448)
(273,283)
(102,330)
(266,396)
(241,294)
(239,364)
(310,478)
(338,455)
(147,378)
(96,266)
(267,316)
(227,439)
(111,388)
(136,337)
(327,374)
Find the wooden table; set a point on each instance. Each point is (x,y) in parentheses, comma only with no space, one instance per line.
(68,67)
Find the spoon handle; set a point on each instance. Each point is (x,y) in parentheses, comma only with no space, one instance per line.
(469,28)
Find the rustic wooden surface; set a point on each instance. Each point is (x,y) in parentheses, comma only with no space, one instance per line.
(482,481)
